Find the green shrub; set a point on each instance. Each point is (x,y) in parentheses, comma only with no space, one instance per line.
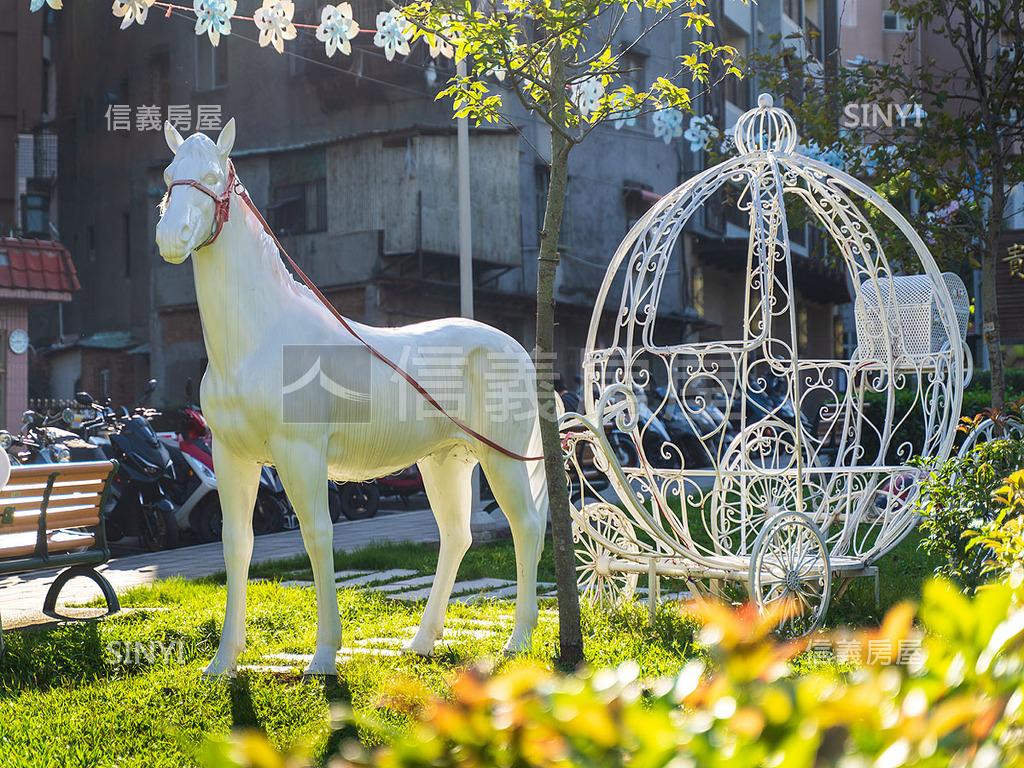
(957,499)
(1001,541)
(954,700)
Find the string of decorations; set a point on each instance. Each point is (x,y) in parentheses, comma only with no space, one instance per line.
(276,24)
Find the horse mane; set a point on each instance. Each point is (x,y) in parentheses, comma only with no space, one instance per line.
(272,259)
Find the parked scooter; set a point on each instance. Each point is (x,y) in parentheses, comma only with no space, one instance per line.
(40,441)
(37,442)
(139,503)
(194,492)
(205,517)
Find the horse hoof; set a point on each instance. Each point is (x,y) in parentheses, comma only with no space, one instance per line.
(219,670)
(318,674)
(419,647)
(322,665)
(516,645)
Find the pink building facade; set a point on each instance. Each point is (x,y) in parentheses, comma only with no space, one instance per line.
(31,271)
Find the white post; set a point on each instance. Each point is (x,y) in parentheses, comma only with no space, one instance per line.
(465,219)
(480,521)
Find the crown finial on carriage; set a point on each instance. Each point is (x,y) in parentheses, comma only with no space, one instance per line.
(765,128)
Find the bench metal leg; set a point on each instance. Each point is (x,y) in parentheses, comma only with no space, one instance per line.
(50,603)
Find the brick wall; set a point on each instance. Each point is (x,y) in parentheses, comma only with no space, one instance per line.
(181,326)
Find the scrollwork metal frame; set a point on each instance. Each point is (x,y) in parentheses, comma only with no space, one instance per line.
(698,516)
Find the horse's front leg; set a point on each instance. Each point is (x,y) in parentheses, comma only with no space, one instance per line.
(238,480)
(303,470)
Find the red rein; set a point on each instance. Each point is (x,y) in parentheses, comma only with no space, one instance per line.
(221,213)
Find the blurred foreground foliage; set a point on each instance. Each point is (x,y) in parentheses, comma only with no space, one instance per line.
(939,685)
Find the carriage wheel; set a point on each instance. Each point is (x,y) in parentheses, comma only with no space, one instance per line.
(790,563)
(597,578)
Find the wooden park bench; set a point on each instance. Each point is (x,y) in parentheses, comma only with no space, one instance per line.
(50,517)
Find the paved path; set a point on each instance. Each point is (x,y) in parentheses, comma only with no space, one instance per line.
(22,595)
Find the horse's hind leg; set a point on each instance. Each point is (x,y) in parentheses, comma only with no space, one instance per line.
(303,470)
(510,481)
(447,479)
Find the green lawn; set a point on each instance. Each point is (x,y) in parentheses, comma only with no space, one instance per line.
(68,695)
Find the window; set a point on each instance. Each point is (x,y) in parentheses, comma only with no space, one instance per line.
(35,215)
(542,177)
(803,329)
(638,199)
(797,234)
(126,223)
(814,41)
(211,64)
(736,89)
(306,47)
(894,22)
(160,79)
(792,9)
(697,291)
(633,67)
(300,208)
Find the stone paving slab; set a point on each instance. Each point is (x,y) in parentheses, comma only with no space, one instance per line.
(500,623)
(377,577)
(342,575)
(268,669)
(461,587)
(397,586)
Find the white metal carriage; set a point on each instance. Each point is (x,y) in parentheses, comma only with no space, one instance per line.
(801,474)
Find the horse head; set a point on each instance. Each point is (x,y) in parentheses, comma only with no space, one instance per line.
(199,176)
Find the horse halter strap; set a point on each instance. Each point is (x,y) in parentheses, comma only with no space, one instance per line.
(221,202)
(222,209)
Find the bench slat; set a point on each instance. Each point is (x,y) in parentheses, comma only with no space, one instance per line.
(82,516)
(13,490)
(67,471)
(23,503)
(21,548)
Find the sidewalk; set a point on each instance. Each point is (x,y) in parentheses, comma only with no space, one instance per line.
(22,595)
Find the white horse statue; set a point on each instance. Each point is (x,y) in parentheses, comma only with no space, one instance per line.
(252,310)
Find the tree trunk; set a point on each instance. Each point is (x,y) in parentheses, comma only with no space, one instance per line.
(570,635)
(989,303)
(990,318)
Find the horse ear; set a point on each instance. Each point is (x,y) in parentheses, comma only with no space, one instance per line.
(174,139)
(226,140)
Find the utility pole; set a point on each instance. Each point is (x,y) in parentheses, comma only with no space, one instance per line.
(466,264)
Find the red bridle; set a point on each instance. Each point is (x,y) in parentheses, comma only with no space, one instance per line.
(221,202)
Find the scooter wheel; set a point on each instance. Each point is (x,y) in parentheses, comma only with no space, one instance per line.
(269,515)
(207,520)
(159,529)
(113,530)
(359,501)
